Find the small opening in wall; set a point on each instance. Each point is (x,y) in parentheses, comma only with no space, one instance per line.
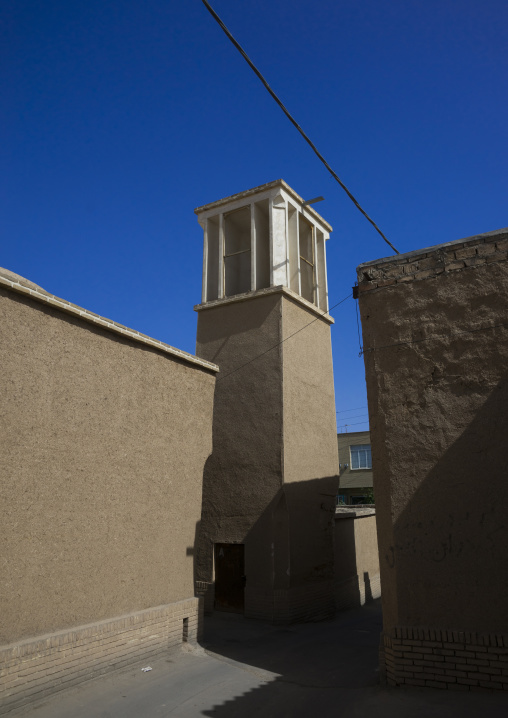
(185,630)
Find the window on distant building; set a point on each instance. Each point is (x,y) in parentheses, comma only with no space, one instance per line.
(360,456)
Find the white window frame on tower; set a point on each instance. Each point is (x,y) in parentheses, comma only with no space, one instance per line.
(277,216)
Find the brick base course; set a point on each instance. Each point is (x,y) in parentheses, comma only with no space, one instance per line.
(40,666)
(455,660)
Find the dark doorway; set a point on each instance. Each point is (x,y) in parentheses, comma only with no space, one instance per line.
(229,577)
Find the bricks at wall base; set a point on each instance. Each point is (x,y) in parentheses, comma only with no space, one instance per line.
(440,658)
(37,667)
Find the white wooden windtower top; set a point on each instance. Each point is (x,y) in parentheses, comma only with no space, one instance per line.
(264,237)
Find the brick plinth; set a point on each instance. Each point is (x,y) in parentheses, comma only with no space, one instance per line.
(40,666)
(456,660)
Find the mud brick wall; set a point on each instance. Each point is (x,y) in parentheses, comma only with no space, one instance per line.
(105,433)
(356,579)
(431,262)
(435,342)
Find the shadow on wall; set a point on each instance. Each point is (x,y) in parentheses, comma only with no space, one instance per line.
(449,557)
(244,471)
(369,595)
(346,584)
(301,562)
(288,550)
(289,554)
(199,591)
(356,579)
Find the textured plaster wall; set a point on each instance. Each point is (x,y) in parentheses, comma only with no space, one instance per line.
(103,446)
(367,557)
(310,442)
(435,336)
(356,557)
(272,478)
(244,473)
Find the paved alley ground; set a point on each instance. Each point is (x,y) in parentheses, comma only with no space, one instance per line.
(247,668)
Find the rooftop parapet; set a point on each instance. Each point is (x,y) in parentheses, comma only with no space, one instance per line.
(14,282)
(432,261)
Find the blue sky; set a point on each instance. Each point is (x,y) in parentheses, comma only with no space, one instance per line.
(119,118)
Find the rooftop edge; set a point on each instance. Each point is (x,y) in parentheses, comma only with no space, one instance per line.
(279,289)
(262,188)
(395,258)
(16,283)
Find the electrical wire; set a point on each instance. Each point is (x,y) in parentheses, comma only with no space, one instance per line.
(358,328)
(221,378)
(293,121)
(356,416)
(355,424)
(356,408)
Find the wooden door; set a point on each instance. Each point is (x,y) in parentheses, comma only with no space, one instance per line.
(229,577)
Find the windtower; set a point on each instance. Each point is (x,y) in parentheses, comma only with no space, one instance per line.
(265,541)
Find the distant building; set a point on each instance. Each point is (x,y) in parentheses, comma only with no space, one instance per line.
(355,464)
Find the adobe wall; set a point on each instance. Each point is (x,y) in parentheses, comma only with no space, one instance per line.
(310,449)
(271,480)
(357,579)
(435,333)
(244,473)
(105,434)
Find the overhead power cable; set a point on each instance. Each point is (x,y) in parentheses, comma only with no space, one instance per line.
(258,356)
(294,122)
(358,328)
(355,424)
(356,408)
(356,416)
